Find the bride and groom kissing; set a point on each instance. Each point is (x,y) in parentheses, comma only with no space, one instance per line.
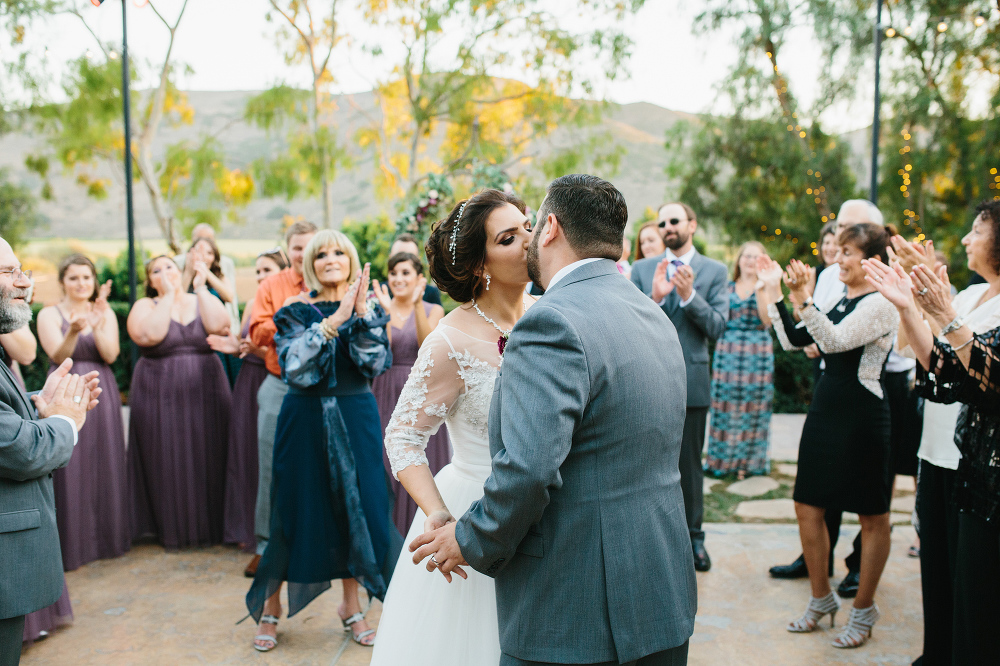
(571,539)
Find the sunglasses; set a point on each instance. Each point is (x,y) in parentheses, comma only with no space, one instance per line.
(674,221)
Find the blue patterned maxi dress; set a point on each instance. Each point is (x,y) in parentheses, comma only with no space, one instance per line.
(331,515)
(742,392)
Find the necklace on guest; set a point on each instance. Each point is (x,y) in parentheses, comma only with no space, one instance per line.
(504,334)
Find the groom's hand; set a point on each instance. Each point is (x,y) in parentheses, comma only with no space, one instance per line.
(442,545)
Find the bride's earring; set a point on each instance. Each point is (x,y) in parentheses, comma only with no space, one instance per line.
(487,282)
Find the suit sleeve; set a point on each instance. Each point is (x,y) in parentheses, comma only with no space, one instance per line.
(544,386)
(709,312)
(31,449)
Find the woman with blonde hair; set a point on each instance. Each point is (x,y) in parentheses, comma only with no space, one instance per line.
(742,377)
(331,516)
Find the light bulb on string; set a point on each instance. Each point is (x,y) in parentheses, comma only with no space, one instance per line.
(942,26)
(980,19)
(890,32)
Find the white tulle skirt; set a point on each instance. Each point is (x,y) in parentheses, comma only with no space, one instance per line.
(425,619)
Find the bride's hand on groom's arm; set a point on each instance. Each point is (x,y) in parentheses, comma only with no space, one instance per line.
(442,545)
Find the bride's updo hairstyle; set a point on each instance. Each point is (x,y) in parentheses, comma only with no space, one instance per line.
(455,257)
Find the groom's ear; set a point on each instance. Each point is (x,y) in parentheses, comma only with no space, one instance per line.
(552,230)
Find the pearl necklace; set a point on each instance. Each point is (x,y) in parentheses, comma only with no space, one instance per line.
(504,334)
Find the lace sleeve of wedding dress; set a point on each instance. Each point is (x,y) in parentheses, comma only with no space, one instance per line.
(874,319)
(430,392)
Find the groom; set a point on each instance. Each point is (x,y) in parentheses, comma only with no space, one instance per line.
(582,523)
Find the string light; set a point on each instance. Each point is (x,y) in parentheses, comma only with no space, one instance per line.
(890,33)
(942,26)
(980,19)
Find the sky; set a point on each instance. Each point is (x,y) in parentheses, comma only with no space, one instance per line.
(230,46)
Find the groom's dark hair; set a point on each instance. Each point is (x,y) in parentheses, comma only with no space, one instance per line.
(592,212)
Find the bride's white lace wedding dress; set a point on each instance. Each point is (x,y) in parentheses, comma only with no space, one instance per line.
(425,619)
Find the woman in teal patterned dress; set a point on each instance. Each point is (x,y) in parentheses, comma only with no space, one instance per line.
(742,379)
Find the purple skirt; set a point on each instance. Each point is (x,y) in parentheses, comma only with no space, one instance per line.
(387,388)
(241,466)
(48,618)
(92,490)
(178,436)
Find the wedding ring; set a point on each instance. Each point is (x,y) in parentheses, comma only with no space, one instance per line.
(922,291)
(793,282)
(77,398)
(434,559)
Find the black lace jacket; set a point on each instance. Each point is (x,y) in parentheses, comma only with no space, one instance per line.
(977,432)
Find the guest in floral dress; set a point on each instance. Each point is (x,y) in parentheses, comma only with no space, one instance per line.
(742,379)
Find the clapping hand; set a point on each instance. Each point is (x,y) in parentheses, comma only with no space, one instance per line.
(662,286)
(442,547)
(382,294)
(769,273)
(911,254)
(225,344)
(77,322)
(96,317)
(200,275)
(892,282)
(683,281)
(361,295)
(933,293)
(797,280)
(347,305)
(69,395)
(418,290)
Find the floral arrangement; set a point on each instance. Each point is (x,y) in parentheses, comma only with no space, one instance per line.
(427,206)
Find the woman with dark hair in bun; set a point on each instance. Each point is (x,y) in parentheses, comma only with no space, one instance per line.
(478,256)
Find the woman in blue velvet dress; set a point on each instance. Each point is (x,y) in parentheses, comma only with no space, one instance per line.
(332,516)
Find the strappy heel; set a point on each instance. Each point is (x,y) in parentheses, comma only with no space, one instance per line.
(817,608)
(859,627)
(267,619)
(358,638)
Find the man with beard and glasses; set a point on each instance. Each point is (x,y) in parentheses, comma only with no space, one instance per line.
(33,442)
(693,290)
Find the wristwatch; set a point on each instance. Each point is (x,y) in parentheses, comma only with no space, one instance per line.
(806,303)
(953,326)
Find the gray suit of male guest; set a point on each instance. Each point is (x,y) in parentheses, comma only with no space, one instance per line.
(700,321)
(582,523)
(31,572)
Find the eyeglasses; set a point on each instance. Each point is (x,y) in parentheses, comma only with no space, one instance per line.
(16,274)
(674,221)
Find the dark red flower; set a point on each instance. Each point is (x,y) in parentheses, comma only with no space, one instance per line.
(501,343)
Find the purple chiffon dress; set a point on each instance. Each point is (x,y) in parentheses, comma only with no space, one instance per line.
(241,468)
(48,618)
(178,436)
(387,388)
(92,490)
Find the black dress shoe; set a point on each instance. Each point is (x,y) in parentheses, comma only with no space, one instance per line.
(848,587)
(796,569)
(702,562)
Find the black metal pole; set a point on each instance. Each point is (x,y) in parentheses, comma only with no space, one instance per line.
(878,103)
(130,216)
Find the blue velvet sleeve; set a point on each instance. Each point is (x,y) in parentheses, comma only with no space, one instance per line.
(308,359)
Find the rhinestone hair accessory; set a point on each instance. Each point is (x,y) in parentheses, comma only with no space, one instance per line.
(454,232)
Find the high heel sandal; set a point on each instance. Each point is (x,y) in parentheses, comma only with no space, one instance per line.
(817,608)
(267,619)
(859,627)
(358,638)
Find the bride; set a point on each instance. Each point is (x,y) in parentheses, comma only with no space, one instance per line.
(478,256)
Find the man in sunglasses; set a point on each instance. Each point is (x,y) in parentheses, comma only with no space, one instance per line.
(693,291)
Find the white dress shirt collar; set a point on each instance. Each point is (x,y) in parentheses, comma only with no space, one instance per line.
(566,270)
(686,257)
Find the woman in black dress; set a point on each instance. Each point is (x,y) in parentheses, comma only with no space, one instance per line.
(957,365)
(844,451)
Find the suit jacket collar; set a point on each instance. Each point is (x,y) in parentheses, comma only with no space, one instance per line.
(587,271)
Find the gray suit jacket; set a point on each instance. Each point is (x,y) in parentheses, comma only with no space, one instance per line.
(31,573)
(582,522)
(700,321)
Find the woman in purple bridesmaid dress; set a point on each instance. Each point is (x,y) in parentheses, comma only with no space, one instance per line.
(241,467)
(91,491)
(408,328)
(180,402)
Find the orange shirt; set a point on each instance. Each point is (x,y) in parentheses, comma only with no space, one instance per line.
(271,295)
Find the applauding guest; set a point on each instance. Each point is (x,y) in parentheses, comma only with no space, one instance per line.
(411,320)
(742,378)
(957,488)
(241,467)
(844,450)
(692,290)
(330,496)
(408,243)
(203,256)
(92,490)
(33,443)
(179,421)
